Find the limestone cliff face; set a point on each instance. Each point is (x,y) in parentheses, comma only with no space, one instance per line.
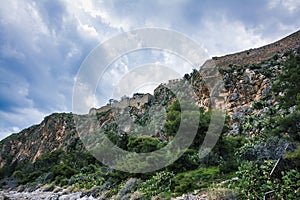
(54,132)
(247,77)
(249,83)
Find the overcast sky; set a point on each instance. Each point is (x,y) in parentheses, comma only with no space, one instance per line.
(43,43)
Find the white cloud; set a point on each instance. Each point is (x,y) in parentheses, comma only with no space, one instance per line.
(93,20)
(22,25)
(177,63)
(99,9)
(7,131)
(290,5)
(21,118)
(141,77)
(87,31)
(224,36)
(286,28)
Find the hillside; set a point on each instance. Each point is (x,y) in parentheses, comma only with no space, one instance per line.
(262,103)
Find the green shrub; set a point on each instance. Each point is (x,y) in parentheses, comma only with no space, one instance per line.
(31,177)
(173,122)
(260,149)
(61,181)
(192,118)
(18,175)
(142,144)
(227,148)
(289,187)
(255,180)
(288,82)
(47,160)
(293,158)
(288,125)
(188,161)
(161,182)
(196,179)
(63,170)
(87,181)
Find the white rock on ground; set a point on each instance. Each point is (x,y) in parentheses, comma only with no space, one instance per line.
(37,195)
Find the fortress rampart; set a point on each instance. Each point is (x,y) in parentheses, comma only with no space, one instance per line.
(257,55)
(137,101)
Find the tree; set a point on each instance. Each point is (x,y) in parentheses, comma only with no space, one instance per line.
(143,144)
(192,113)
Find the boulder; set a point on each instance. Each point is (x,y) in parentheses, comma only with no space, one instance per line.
(129,186)
(233,96)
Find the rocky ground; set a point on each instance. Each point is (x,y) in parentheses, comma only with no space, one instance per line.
(39,195)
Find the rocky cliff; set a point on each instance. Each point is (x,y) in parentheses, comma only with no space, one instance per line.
(245,81)
(57,131)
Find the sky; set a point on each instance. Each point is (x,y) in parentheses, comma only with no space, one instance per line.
(44,43)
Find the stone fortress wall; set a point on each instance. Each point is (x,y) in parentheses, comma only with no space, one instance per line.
(137,101)
(257,55)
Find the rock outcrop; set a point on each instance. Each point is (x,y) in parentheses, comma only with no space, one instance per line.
(57,131)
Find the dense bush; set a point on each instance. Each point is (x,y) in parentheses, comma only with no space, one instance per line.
(260,149)
(196,179)
(290,125)
(119,140)
(293,159)
(255,180)
(194,118)
(188,161)
(88,177)
(142,144)
(157,184)
(63,170)
(227,147)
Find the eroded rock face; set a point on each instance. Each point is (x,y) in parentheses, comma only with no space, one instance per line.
(245,85)
(56,131)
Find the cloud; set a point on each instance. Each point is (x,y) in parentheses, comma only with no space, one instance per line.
(290,5)
(222,36)
(39,55)
(13,122)
(14,91)
(21,24)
